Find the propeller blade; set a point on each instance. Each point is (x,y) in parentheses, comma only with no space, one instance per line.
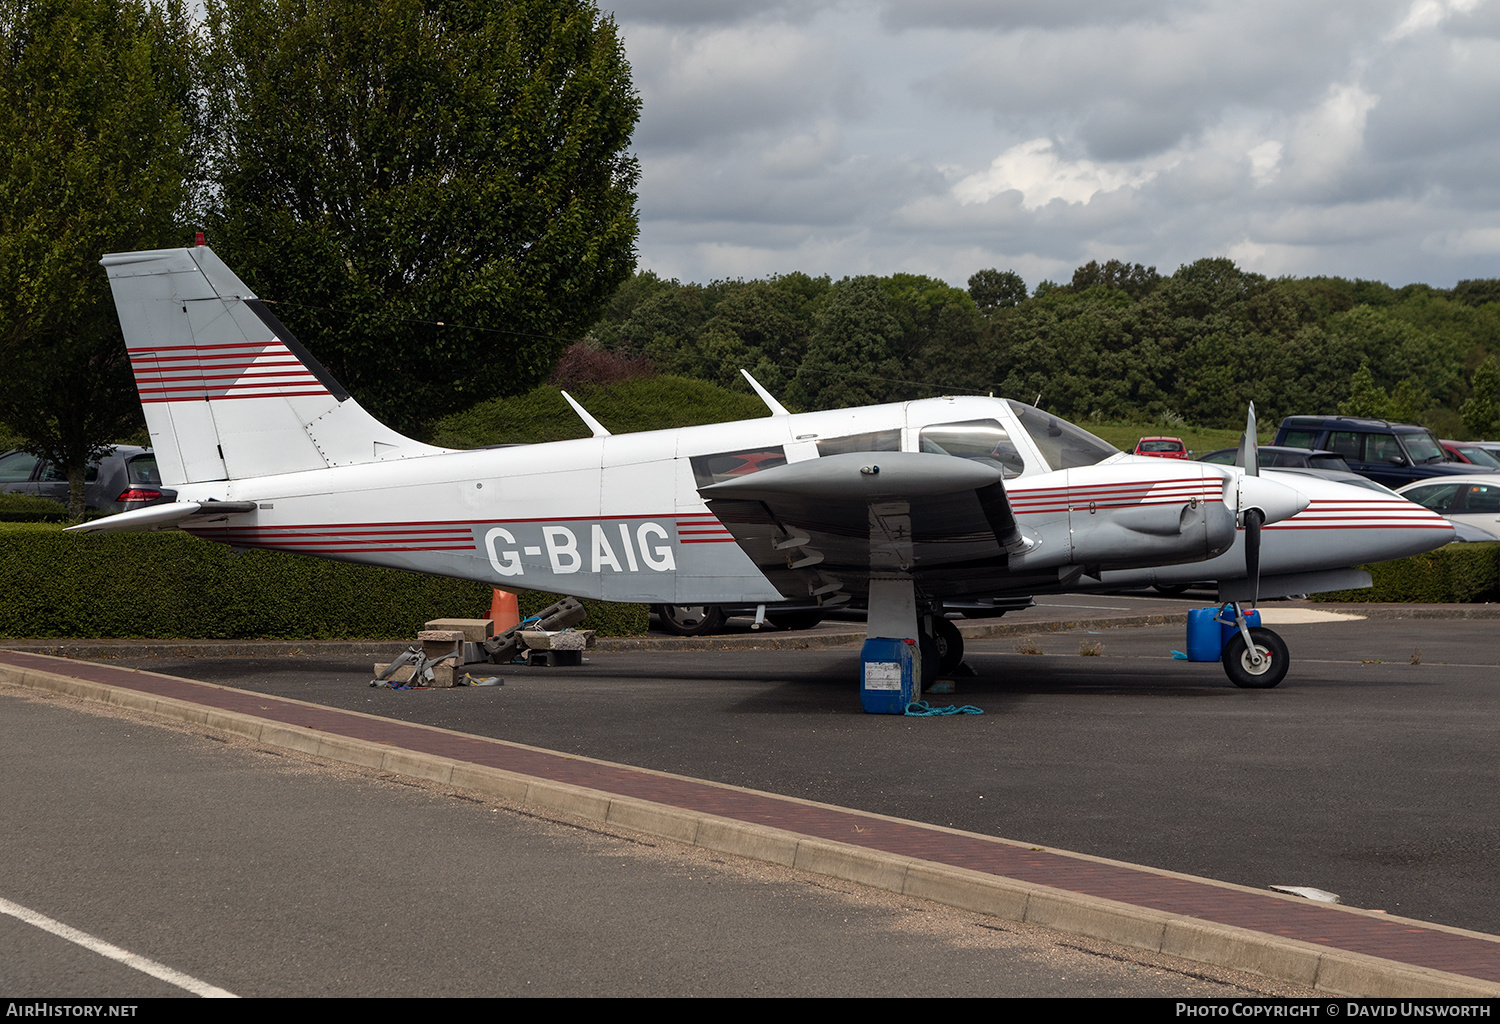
(1249,454)
(1254,519)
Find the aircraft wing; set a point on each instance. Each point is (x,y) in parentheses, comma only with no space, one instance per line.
(846,517)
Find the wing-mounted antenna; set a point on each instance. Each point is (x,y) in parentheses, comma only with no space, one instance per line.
(588,421)
(777,409)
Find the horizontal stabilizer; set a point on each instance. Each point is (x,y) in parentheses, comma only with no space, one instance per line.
(161,517)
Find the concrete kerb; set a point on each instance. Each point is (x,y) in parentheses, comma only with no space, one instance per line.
(1335,971)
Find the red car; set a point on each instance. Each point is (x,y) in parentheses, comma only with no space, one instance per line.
(1162,447)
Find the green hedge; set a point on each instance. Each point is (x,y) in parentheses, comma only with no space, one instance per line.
(170,585)
(1457,573)
(28,508)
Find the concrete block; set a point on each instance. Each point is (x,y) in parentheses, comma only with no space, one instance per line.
(1099,918)
(417,765)
(1368,977)
(1242,950)
(448,636)
(656,819)
(445,674)
(494,782)
(401,675)
(586,803)
(968,890)
(856,864)
(755,841)
(472,629)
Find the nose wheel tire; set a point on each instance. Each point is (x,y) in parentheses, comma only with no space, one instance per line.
(950,644)
(1244,672)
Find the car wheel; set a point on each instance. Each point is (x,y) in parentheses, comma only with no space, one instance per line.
(690,619)
(1245,673)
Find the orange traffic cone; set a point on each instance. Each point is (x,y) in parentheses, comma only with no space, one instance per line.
(504,610)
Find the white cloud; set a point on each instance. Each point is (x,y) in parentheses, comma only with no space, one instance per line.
(852,136)
(1425,14)
(1035,170)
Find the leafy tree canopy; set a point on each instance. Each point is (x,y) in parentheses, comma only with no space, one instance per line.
(96,127)
(436,194)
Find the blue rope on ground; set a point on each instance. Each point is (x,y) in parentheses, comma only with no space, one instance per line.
(921,709)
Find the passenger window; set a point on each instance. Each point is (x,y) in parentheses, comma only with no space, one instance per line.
(979,440)
(1383,448)
(879,441)
(1483,499)
(1298,439)
(1439,498)
(1346,443)
(16,467)
(713,469)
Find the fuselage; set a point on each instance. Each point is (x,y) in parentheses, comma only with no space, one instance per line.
(621,518)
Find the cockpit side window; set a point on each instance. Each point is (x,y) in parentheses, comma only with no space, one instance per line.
(1063,445)
(980,440)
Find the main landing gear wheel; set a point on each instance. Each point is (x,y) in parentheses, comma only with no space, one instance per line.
(1244,672)
(950,645)
(691,619)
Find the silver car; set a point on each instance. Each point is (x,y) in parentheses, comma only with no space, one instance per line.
(125,478)
(1472,501)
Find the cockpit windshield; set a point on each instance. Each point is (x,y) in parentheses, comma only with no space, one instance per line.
(1063,445)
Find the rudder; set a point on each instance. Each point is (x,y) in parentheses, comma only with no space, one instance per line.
(228,391)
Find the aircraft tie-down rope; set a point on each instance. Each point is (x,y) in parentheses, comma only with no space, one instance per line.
(921,709)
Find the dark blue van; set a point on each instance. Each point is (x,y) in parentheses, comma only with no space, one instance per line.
(1394,454)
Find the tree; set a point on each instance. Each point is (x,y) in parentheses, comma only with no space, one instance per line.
(1365,398)
(96,130)
(437,196)
(996,289)
(1481,413)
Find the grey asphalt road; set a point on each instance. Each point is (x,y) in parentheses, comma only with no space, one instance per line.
(1363,774)
(268,874)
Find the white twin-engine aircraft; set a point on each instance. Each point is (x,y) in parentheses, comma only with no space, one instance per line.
(894,508)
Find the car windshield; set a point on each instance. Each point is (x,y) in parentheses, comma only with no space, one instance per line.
(1422,447)
(1063,445)
(1479,457)
(1159,446)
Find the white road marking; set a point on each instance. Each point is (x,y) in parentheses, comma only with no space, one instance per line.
(1293,616)
(124,956)
(1100,607)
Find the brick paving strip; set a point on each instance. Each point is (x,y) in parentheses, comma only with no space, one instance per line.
(1340,950)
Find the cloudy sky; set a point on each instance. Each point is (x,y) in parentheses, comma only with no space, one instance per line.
(1350,137)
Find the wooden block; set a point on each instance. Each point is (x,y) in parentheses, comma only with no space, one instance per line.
(472,629)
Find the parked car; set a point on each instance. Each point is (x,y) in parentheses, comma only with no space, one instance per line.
(1472,501)
(1162,447)
(1393,454)
(1281,457)
(124,478)
(1473,453)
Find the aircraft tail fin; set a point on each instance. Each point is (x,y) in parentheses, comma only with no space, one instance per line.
(229,393)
